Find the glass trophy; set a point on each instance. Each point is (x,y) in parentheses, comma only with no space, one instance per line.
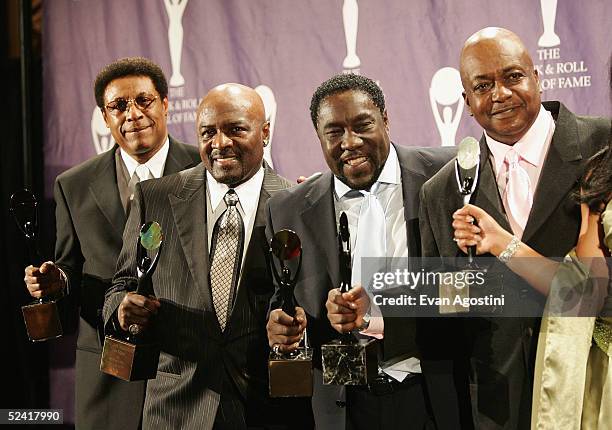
(290,374)
(135,357)
(349,360)
(41,317)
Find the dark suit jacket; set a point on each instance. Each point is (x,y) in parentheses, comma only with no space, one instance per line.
(308,209)
(496,355)
(198,360)
(90,221)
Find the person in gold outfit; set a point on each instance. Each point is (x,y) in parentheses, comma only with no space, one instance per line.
(573,371)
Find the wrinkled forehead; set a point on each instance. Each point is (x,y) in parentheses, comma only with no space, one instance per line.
(493,55)
(346,104)
(219,110)
(129,86)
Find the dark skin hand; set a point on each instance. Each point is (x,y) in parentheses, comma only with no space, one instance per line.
(137,309)
(286,331)
(345,311)
(44,280)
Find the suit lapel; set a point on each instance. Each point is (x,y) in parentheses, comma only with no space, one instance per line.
(106,194)
(178,159)
(254,257)
(320,219)
(562,168)
(413,177)
(189,206)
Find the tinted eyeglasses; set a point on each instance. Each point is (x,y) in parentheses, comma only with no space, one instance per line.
(121,105)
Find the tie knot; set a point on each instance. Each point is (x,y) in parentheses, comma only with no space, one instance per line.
(374,189)
(142,171)
(231,198)
(512,157)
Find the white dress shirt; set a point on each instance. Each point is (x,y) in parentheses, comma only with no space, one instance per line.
(156,164)
(248,199)
(391,198)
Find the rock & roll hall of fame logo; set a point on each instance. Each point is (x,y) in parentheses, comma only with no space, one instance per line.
(175,10)
(445,96)
(350,20)
(100,133)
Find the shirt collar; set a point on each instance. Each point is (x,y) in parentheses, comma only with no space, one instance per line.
(531,147)
(390,174)
(248,192)
(155,164)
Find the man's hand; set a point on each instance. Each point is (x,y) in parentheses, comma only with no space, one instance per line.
(487,235)
(44,280)
(345,311)
(286,331)
(138,310)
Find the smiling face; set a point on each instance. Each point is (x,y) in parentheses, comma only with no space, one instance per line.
(354,137)
(501,85)
(231,130)
(139,132)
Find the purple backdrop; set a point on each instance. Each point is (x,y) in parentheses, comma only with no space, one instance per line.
(410,47)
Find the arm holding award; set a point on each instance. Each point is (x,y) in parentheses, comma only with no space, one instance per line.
(290,372)
(136,356)
(45,282)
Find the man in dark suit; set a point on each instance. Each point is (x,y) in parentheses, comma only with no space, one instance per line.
(348,112)
(494,358)
(210,303)
(92,199)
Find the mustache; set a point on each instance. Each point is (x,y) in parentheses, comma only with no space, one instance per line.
(349,155)
(222,153)
(136,127)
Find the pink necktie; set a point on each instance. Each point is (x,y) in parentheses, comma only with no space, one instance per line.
(518,194)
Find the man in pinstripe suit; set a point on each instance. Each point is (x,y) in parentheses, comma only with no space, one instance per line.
(213,368)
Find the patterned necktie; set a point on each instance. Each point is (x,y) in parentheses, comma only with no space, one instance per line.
(371,237)
(518,194)
(227,242)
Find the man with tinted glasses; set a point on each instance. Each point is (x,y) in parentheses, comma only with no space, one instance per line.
(93,200)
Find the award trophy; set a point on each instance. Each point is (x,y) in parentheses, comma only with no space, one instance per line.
(290,374)
(41,317)
(135,358)
(456,290)
(348,360)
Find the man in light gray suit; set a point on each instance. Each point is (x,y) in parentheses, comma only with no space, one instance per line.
(211,288)
(92,201)
(493,358)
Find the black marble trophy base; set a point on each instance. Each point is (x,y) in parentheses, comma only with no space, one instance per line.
(354,363)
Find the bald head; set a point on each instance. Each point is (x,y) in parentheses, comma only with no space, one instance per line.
(495,39)
(501,86)
(232,128)
(236,95)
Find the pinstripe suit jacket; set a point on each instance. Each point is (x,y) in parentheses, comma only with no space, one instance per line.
(90,220)
(196,355)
